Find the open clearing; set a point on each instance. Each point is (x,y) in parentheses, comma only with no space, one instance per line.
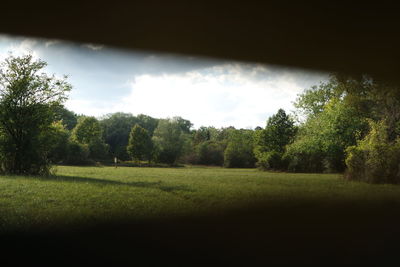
(89,194)
(197,215)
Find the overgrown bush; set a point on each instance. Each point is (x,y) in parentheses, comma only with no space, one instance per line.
(78,154)
(374,159)
(210,153)
(271,160)
(57,140)
(239,151)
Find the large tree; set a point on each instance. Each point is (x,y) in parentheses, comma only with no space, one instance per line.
(140,146)
(116,129)
(88,132)
(27,98)
(169,140)
(270,143)
(239,150)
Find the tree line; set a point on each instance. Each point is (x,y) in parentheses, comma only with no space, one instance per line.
(346,124)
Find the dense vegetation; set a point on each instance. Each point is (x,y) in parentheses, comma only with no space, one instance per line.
(347,124)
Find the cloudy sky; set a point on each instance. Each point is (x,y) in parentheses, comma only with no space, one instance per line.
(207,92)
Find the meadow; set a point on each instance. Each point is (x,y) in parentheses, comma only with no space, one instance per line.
(80,195)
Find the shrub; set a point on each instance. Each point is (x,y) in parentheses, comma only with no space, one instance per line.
(239,151)
(374,159)
(210,153)
(271,160)
(77,154)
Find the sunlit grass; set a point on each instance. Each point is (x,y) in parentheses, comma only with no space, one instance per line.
(89,194)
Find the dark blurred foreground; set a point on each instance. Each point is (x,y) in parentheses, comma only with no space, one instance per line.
(341,233)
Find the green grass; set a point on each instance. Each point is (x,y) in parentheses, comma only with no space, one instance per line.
(90,194)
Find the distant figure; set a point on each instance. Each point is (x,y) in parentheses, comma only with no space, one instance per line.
(115,161)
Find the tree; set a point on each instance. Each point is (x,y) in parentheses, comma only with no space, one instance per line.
(57,139)
(147,122)
(140,146)
(116,128)
(88,132)
(239,151)
(336,124)
(68,118)
(168,141)
(27,98)
(375,159)
(271,142)
(210,153)
(185,125)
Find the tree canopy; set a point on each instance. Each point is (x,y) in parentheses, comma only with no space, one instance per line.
(27,98)
(140,146)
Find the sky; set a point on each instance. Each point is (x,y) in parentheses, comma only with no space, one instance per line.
(206,91)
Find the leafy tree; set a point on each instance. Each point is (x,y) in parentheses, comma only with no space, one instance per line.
(116,128)
(270,143)
(88,132)
(312,101)
(375,158)
(57,138)
(168,141)
(27,98)
(323,138)
(201,135)
(239,151)
(78,154)
(140,146)
(68,118)
(185,125)
(210,153)
(147,122)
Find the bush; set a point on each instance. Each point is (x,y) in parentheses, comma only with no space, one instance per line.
(305,155)
(374,159)
(77,154)
(239,151)
(210,153)
(271,160)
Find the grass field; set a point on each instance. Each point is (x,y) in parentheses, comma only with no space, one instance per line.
(89,194)
(198,216)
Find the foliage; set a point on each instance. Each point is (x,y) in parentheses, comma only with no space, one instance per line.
(185,125)
(117,126)
(375,159)
(57,138)
(140,146)
(27,98)
(210,153)
(270,143)
(68,118)
(168,141)
(313,100)
(239,151)
(88,132)
(78,154)
(323,139)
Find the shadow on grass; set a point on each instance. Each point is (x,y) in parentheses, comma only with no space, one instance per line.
(103,182)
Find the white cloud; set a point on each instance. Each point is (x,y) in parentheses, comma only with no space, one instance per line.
(224,95)
(18,48)
(51,42)
(94,47)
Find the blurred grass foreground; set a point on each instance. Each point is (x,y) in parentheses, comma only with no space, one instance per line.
(231,214)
